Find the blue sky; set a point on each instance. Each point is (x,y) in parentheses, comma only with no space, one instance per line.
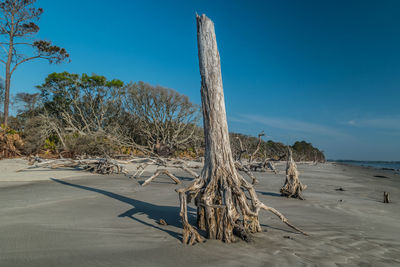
(327,72)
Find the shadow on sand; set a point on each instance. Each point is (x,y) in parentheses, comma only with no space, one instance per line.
(154,212)
(269,194)
(163,179)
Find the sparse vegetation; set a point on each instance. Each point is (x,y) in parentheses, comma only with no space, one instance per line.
(10,142)
(91,115)
(302,151)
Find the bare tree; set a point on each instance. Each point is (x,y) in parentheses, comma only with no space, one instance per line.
(167,119)
(38,128)
(222,204)
(17,25)
(2,86)
(26,103)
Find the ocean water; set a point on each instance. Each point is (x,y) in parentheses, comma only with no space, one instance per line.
(393,165)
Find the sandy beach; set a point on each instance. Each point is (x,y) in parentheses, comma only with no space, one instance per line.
(74,218)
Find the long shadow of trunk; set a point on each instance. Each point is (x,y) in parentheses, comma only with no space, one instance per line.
(154,212)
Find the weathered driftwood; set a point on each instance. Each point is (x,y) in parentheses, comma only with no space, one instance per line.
(242,150)
(292,187)
(104,166)
(98,165)
(386,197)
(162,222)
(165,163)
(179,164)
(162,162)
(258,147)
(219,192)
(160,172)
(252,165)
(271,167)
(264,166)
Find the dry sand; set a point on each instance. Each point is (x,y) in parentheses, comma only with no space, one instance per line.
(71,218)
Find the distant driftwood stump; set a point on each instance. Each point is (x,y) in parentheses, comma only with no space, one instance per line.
(386,197)
(223,207)
(292,187)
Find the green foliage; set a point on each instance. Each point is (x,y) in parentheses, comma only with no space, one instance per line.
(89,114)
(53,53)
(8,129)
(50,144)
(87,102)
(306,151)
(302,151)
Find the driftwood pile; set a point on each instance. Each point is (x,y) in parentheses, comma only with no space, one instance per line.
(162,164)
(96,165)
(252,164)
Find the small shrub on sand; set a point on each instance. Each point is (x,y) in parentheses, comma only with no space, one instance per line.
(10,143)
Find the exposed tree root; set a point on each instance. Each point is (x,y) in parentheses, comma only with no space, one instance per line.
(292,187)
(283,218)
(190,235)
(270,165)
(158,173)
(246,170)
(179,164)
(161,162)
(228,214)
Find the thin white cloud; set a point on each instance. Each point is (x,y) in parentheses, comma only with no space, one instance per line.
(392,123)
(291,125)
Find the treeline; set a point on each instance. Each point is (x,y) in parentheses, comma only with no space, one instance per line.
(302,151)
(85,114)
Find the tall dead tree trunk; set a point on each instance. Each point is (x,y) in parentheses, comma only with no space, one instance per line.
(8,81)
(222,205)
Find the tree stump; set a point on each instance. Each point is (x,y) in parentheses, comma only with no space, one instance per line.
(219,192)
(292,187)
(386,197)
